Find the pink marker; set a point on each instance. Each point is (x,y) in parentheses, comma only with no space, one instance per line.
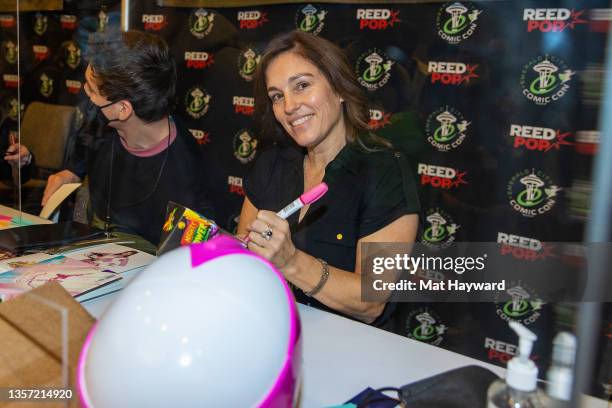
(307,198)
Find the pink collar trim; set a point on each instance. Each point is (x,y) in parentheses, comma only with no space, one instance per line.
(158,148)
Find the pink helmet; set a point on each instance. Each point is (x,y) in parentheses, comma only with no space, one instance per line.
(207,325)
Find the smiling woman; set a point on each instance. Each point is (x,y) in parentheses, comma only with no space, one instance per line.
(303,102)
(308,101)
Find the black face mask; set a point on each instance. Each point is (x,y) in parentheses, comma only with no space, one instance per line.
(106,120)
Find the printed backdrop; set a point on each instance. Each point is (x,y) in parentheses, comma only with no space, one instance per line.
(496,104)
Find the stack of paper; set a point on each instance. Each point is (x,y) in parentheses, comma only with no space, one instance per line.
(85,273)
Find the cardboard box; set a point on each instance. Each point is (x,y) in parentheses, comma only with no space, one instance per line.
(31,348)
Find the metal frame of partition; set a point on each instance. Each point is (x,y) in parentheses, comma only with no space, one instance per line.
(125,14)
(597,230)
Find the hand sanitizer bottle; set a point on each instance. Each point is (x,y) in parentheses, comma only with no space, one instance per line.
(520,388)
(560,375)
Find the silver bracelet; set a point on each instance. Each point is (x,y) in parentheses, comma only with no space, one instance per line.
(322,281)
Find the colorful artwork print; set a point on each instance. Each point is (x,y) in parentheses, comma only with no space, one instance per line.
(6,254)
(74,275)
(18,262)
(104,259)
(7,222)
(113,257)
(79,272)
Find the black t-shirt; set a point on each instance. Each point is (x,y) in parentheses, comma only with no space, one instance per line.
(367,191)
(142,186)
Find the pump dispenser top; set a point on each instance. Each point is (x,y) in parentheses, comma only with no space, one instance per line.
(520,388)
(560,374)
(522,372)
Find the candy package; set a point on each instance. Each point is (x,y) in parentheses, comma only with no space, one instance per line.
(184,226)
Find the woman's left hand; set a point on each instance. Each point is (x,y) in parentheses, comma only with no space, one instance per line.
(270,237)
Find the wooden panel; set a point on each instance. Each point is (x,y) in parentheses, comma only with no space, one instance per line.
(31,5)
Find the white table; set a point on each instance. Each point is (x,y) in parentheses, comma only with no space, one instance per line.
(343,357)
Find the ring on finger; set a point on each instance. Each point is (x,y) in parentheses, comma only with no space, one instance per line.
(267,234)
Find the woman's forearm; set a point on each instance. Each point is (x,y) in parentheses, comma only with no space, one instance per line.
(341,292)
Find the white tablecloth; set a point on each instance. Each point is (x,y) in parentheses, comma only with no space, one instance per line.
(342,357)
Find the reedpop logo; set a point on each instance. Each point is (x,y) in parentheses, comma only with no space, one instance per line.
(244,105)
(68,21)
(7,21)
(451,73)
(532,193)
(377,19)
(538,138)
(552,19)
(154,22)
(235,185)
(41,52)
(252,19)
(11,80)
(501,351)
(73,86)
(545,79)
(198,59)
(378,119)
(525,248)
(440,177)
(202,137)
(456,22)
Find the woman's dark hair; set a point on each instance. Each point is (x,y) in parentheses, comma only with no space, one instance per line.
(135,66)
(333,64)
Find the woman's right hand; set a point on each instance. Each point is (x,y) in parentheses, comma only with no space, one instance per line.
(278,248)
(55,181)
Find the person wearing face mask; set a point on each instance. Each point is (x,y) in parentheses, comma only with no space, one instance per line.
(308,100)
(136,156)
